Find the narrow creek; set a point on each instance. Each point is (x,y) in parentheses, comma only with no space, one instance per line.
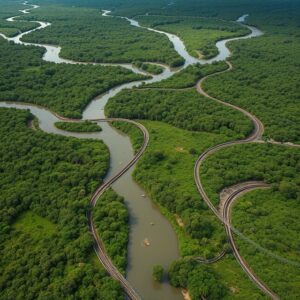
(146,221)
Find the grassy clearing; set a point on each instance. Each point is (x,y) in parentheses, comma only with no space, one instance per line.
(34,225)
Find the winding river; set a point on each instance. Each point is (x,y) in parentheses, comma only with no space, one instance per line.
(146,220)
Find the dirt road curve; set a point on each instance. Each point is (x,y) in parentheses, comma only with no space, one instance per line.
(255,136)
(226,214)
(98,244)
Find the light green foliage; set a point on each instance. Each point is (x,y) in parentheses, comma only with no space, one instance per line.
(85,126)
(34,225)
(185,109)
(272,220)
(66,89)
(165,171)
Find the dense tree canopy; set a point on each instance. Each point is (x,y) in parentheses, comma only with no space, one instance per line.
(265,80)
(46,182)
(198,34)
(274,164)
(188,77)
(272,220)
(200,280)
(66,89)
(111,219)
(184,109)
(85,35)
(9,9)
(85,126)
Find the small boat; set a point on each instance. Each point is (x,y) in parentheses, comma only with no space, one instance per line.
(143,195)
(146,242)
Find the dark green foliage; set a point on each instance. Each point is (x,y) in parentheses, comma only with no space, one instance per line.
(85,126)
(198,226)
(9,9)
(288,189)
(277,165)
(265,81)
(201,281)
(111,219)
(85,35)
(150,68)
(184,109)
(135,134)
(198,34)
(229,10)
(188,77)
(66,89)
(53,177)
(158,273)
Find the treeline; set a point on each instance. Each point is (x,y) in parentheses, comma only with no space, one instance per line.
(85,35)
(52,177)
(135,134)
(229,10)
(189,76)
(274,164)
(199,34)
(200,280)
(265,81)
(150,68)
(112,222)
(66,89)
(185,109)
(85,126)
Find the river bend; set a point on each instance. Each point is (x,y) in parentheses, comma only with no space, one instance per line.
(163,247)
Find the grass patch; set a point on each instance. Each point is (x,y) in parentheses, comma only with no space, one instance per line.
(34,225)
